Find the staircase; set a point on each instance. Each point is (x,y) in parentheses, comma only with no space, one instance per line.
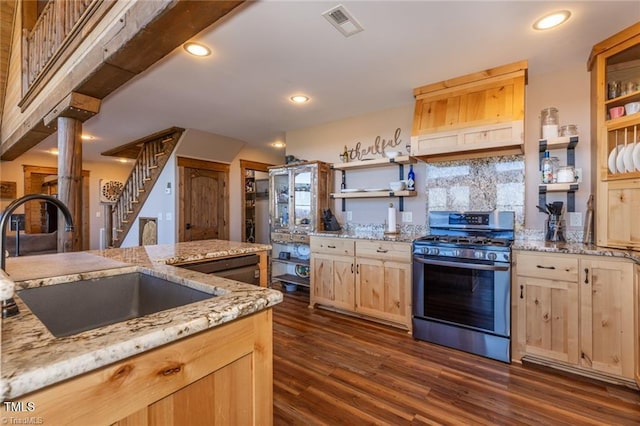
(154,152)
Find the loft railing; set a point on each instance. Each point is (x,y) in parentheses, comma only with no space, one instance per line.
(59,20)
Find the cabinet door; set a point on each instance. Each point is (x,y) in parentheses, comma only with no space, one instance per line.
(332,281)
(548,318)
(606,324)
(620,220)
(383,290)
(637,322)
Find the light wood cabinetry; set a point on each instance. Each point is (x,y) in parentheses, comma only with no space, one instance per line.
(333,272)
(363,277)
(476,115)
(220,376)
(617,192)
(383,280)
(547,288)
(636,321)
(576,313)
(606,316)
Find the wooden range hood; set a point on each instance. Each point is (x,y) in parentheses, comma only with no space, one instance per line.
(473,116)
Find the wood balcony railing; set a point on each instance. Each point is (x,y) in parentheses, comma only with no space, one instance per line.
(57,31)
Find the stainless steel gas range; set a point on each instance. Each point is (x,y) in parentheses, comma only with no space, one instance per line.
(462,282)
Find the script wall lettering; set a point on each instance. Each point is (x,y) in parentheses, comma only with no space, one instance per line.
(377,148)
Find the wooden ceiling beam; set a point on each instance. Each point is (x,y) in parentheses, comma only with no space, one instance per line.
(75,105)
(149,30)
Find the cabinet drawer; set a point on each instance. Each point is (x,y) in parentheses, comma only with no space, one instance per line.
(341,246)
(286,238)
(384,250)
(562,268)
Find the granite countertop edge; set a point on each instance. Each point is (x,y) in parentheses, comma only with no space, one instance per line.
(369,235)
(32,358)
(574,248)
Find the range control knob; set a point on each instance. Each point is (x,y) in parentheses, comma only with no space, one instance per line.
(434,251)
(491,256)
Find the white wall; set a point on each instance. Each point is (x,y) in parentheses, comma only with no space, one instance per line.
(567,89)
(160,205)
(110,169)
(326,143)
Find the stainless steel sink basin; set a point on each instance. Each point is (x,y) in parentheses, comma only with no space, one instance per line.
(70,308)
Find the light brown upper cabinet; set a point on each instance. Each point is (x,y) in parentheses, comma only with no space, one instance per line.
(615,63)
(477,115)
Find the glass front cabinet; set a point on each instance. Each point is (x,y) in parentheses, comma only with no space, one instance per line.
(298,195)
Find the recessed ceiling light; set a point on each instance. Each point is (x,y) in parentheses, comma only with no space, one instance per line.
(53,151)
(197,49)
(551,20)
(278,144)
(86,137)
(122,160)
(299,99)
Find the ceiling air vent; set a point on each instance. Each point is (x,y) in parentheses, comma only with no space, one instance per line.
(340,18)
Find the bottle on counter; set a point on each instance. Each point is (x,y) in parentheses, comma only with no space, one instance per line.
(546,167)
(411,179)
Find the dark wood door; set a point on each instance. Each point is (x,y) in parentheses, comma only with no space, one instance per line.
(203,203)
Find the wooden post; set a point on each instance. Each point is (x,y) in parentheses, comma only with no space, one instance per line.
(70,181)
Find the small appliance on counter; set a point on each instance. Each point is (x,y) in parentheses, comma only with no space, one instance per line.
(329,221)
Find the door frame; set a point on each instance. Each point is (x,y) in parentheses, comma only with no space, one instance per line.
(185,162)
(244,166)
(33,186)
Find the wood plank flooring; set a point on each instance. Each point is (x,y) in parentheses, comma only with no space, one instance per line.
(333,369)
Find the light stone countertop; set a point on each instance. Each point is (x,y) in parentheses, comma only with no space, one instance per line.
(574,248)
(377,235)
(33,358)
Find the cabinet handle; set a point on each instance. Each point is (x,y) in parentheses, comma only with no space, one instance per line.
(331,246)
(586,275)
(382,250)
(352,268)
(357,268)
(545,267)
(521,291)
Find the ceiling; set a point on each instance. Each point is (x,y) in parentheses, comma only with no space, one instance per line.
(270,50)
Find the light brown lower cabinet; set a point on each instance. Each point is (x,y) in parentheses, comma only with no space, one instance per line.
(576,312)
(363,277)
(220,376)
(637,322)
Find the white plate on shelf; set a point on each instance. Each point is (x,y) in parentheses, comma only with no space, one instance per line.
(348,191)
(620,159)
(628,158)
(302,251)
(636,156)
(612,159)
(376,189)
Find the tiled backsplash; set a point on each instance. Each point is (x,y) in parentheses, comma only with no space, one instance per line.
(482,184)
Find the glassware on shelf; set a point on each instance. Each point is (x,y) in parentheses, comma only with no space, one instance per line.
(549,123)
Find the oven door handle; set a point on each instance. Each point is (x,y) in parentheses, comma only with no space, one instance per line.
(479,266)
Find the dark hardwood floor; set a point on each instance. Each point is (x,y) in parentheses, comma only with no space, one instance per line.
(337,370)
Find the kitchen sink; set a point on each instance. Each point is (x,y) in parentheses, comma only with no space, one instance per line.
(70,308)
